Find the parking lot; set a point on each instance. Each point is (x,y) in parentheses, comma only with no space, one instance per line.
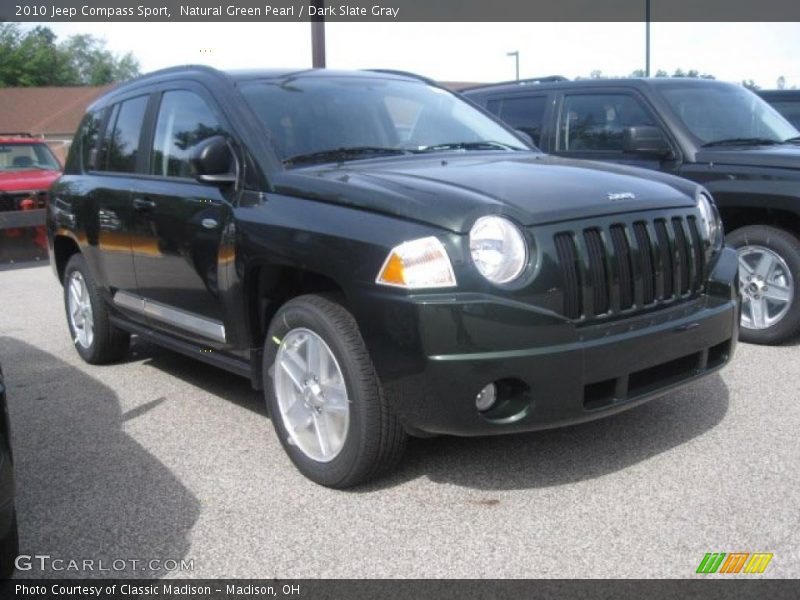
(161,457)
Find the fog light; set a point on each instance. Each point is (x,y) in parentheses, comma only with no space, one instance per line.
(486,398)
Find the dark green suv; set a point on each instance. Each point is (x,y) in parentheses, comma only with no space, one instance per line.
(383,259)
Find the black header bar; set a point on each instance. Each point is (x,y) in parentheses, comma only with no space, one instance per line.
(399,10)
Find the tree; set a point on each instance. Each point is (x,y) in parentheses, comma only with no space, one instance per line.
(93,64)
(34,58)
(750,84)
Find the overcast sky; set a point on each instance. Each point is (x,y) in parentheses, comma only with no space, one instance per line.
(468,51)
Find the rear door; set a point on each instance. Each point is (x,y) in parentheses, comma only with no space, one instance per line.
(111,161)
(179,222)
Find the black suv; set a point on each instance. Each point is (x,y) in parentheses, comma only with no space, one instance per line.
(786,102)
(718,134)
(383,258)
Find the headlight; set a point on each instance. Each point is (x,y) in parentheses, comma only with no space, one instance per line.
(421,263)
(498,249)
(710,221)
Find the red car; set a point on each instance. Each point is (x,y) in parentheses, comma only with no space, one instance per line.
(27,169)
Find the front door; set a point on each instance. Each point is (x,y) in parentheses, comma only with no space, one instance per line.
(178,226)
(591,126)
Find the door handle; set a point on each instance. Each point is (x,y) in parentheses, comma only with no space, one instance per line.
(143,204)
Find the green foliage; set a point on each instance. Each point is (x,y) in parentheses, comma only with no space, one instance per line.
(750,84)
(693,73)
(35,58)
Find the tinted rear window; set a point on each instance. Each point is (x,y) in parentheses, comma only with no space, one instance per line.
(122,141)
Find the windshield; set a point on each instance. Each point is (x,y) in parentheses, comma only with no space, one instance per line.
(715,112)
(312,115)
(19,156)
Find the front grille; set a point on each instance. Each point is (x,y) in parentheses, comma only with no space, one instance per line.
(629,266)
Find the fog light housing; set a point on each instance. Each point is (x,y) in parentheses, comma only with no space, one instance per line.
(486,398)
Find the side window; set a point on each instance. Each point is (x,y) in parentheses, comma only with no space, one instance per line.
(525,113)
(184,119)
(122,143)
(597,122)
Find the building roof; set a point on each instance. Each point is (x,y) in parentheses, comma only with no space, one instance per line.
(457,86)
(46,110)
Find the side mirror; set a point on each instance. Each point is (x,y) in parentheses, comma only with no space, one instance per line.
(645,140)
(213,161)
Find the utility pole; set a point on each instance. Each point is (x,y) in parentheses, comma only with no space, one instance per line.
(515,54)
(318,35)
(647,39)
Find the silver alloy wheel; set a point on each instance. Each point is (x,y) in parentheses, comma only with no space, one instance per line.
(767,287)
(312,396)
(79,306)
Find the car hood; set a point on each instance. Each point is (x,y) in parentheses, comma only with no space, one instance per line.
(28,179)
(452,190)
(786,156)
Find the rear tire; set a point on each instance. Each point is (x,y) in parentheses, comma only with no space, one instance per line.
(95,338)
(304,400)
(770,298)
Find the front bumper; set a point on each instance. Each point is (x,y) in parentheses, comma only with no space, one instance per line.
(435,353)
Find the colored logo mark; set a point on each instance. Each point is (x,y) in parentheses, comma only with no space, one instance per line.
(734,562)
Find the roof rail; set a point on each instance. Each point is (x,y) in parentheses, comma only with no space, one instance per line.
(15,134)
(529,81)
(404,74)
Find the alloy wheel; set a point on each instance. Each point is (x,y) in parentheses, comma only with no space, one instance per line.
(312,395)
(79,305)
(767,287)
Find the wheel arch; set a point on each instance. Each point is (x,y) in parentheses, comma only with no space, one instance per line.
(64,247)
(736,217)
(267,287)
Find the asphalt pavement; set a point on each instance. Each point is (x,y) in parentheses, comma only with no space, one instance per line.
(160,458)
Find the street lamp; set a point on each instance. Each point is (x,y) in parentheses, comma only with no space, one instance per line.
(515,54)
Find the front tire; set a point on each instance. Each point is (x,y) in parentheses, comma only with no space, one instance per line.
(324,397)
(769,270)
(95,338)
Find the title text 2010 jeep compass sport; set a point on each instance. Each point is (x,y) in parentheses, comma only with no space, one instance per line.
(383,258)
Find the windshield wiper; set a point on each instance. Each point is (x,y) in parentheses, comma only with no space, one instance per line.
(482,145)
(743,141)
(792,140)
(342,154)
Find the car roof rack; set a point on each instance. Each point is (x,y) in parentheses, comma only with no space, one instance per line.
(404,74)
(15,134)
(528,81)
